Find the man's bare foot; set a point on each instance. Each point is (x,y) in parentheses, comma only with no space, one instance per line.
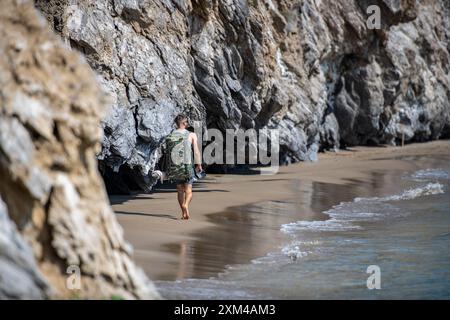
(184,213)
(187,216)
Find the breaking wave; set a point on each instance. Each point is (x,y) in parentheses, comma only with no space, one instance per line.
(346,215)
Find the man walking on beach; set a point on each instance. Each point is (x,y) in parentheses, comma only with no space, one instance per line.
(179,145)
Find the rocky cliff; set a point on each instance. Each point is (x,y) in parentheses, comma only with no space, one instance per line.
(20,277)
(54,213)
(311,68)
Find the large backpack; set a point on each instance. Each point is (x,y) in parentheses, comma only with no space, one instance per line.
(179,154)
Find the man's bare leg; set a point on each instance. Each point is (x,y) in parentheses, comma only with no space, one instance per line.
(188,198)
(181,199)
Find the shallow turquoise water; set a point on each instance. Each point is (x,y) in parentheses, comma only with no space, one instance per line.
(404,229)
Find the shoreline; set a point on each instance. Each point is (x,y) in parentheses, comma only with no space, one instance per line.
(161,241)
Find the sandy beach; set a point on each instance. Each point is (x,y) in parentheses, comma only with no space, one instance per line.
(162,241)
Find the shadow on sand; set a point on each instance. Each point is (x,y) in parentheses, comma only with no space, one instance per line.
(168,216)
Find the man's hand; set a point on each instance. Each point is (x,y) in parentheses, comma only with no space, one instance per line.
(198,168)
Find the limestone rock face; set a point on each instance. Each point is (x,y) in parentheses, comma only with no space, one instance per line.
(50,133)
(312,69)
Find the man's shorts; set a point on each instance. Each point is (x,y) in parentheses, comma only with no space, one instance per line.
(186,181)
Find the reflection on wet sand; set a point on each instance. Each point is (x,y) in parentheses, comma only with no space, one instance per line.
(247,232)
(182,271)
(168,248)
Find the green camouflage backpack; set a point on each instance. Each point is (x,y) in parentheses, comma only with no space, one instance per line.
(179,153)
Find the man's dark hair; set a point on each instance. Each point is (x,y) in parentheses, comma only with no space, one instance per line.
(179,119)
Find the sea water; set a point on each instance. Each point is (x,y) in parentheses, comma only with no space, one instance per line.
(403,233)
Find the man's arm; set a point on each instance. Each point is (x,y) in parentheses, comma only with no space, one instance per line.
(197,155)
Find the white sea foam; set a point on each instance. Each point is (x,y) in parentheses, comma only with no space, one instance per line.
(429,189)
(294,252)
(325,225)
(367,209)
(431,174)
(299,249)
(425,190)
(346,215)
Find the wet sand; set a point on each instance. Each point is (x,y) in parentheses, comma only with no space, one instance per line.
(225,227)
